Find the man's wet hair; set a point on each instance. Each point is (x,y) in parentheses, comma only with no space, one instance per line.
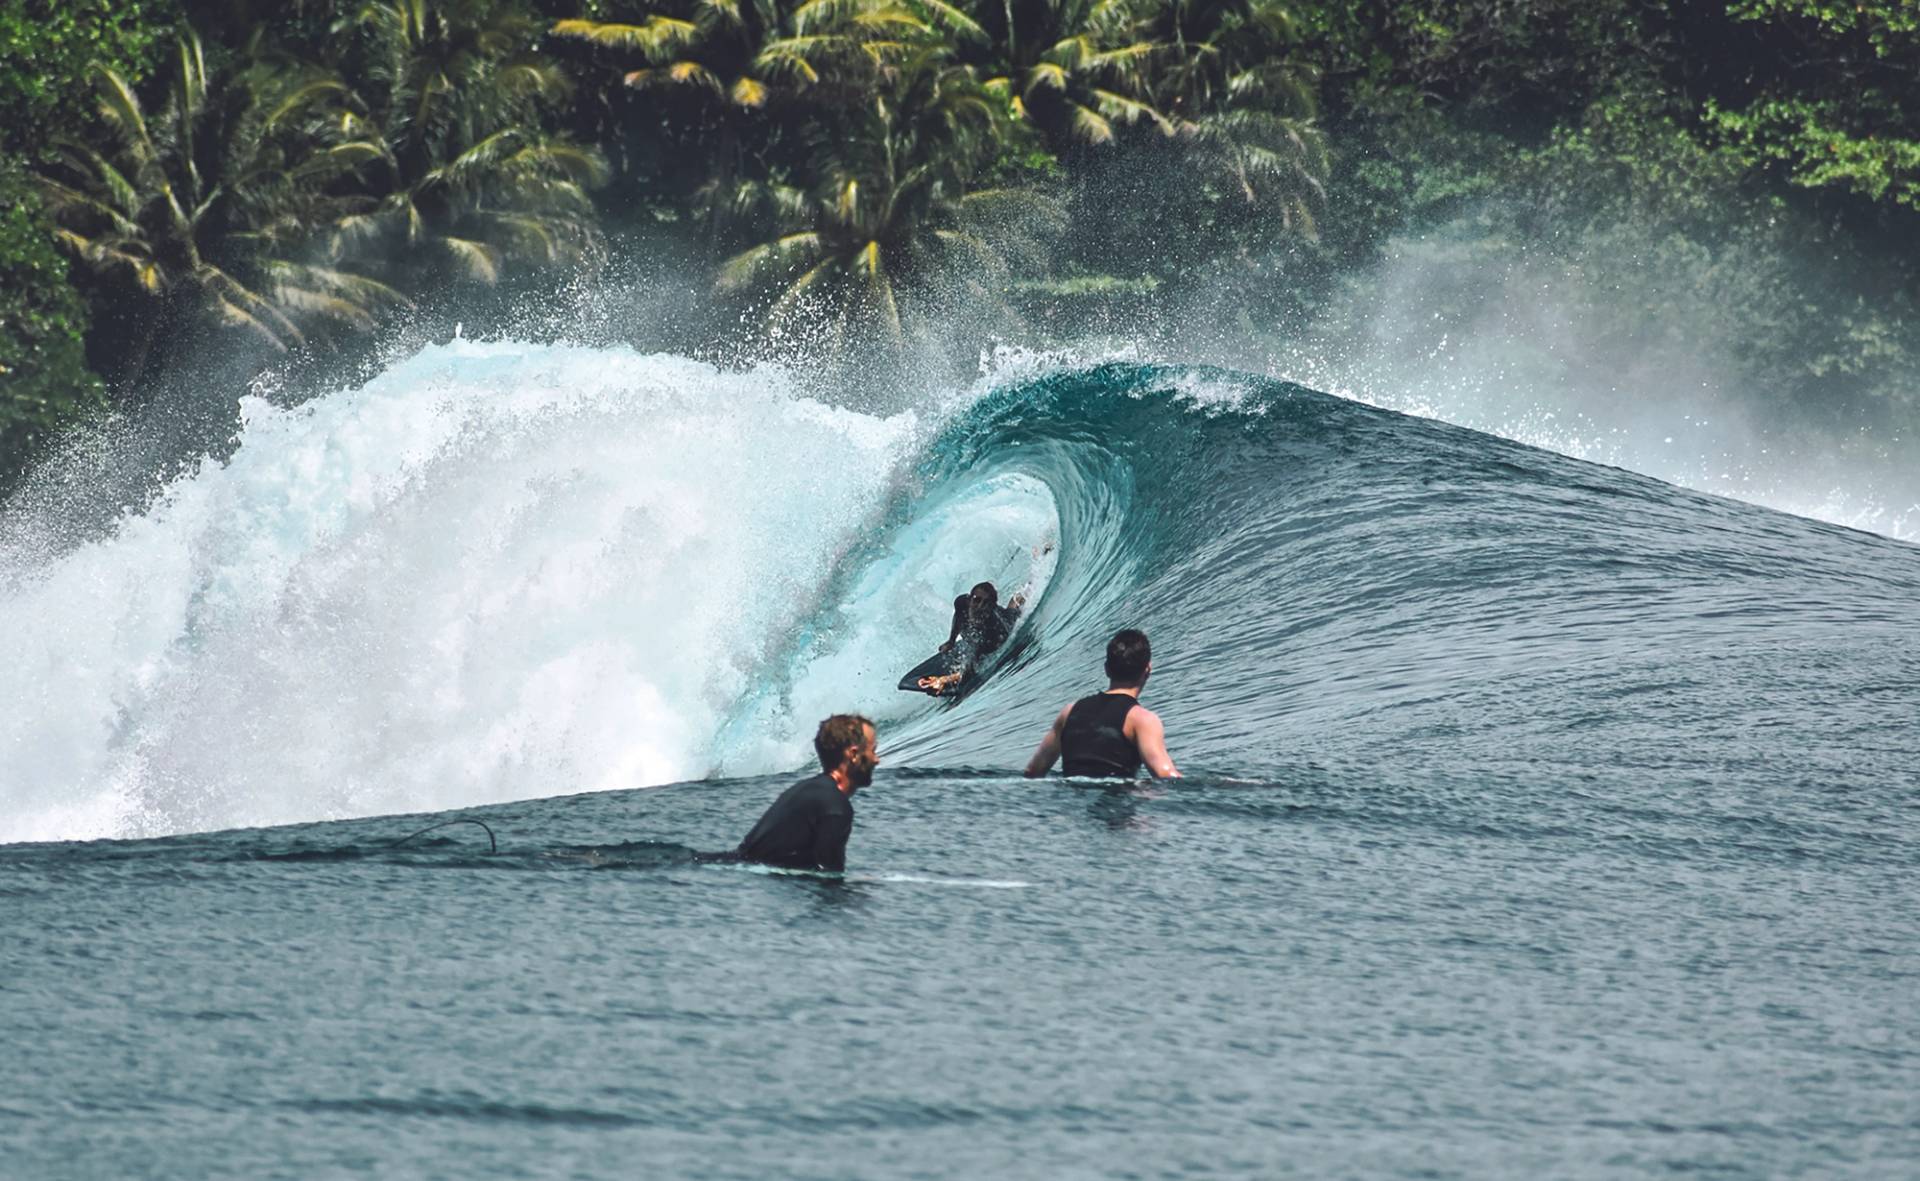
(987,591)
(1127,656)
(835,735)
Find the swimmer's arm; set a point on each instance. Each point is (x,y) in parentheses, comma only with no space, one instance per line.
(830,842)
(1049,752)
(1150,739)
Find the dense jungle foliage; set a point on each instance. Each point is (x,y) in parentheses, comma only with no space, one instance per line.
(264,181)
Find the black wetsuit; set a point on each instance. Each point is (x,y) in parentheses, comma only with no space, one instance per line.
(990,634)
(806,828)
(1094,741)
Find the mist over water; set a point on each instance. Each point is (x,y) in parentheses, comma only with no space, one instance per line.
(1603,351)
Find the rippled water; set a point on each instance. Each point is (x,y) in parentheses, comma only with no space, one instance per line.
(1543,820)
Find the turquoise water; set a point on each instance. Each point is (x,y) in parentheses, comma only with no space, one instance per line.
(1543,819)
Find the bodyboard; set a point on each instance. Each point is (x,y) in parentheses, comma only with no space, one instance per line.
(937,665)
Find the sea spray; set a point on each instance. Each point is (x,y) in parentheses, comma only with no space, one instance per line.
(494,572)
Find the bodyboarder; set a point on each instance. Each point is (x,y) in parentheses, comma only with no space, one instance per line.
(980,625)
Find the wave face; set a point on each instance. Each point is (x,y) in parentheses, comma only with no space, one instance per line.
(499,572)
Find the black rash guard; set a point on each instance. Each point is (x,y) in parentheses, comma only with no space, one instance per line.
(1094,741)
(806,828)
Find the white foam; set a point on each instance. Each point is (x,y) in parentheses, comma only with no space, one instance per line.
(495,572)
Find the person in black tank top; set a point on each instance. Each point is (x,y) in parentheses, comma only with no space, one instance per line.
(1110,735)
(1094,741)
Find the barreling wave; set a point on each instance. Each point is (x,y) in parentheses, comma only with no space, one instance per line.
(1327,583)
(499,572)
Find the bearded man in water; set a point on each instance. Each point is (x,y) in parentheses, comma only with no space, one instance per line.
(808,826)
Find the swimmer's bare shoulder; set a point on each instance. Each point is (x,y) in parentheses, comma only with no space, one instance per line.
(1149,736)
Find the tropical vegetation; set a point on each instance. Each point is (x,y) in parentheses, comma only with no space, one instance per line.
(873,179)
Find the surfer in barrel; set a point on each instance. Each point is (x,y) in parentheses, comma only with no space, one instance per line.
(1110,734)
(808,826)
(980,626)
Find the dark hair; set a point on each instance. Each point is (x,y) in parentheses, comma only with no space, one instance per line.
(1127,656)
(835,735)
(986,588)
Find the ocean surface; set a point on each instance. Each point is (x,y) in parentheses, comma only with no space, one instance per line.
(1541,819)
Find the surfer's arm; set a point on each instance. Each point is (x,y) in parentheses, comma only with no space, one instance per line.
(1150,739)
(1049,752)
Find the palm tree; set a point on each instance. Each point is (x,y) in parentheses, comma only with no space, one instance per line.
(892,232)
(730,81)
(706,46)
(742,53)
(1243,107)
(456,176)
(1074,69)
(193,210)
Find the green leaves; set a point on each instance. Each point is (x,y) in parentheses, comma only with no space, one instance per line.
(1841,111)
(1810,139)
(53,47)
(45,385)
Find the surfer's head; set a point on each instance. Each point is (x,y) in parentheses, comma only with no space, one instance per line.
(845,744)
(981,600)
(1129,659)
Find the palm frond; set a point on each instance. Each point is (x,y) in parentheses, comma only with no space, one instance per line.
(121,109)
(692,73)
(815,14)
(367,293)
(1131,110)
(260,312)
(748,92)
(779,256)
(231,314)
(535,79)
(1088,125)
(339,160)
(660,35)
(306,301)
(1051,75)
(301,97)
(477,260)
(62,199)
(953,20)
